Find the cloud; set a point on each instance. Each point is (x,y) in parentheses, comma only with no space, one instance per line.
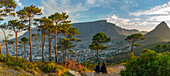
(19,3)
(132,23)
(123,21)
(51,6)
(143,20)
(116,19)
(157,10)
(91,1)
(73,7)
(136,19)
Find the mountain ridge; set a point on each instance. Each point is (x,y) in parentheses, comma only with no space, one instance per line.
(159,34)
(88,29)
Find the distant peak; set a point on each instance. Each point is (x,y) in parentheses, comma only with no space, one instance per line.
(101,21)
(162,25)
(163,22)
(97,21)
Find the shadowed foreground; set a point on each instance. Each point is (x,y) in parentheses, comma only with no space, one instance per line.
(112,71)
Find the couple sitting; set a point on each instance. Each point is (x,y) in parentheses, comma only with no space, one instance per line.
(100,68)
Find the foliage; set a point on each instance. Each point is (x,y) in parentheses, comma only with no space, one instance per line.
(32,67)
(97,41)
(162,48)
(73,65)
(24,40)
(148,64)
(68,42)
(61,25)
(27,14)
(51,67)
(4,28)
(131,56)
(133,38)
(7,8)
(16,26)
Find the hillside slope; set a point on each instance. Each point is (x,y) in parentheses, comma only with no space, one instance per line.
(88,29)
(159,34)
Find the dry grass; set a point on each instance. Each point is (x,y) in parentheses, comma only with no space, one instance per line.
(11,72)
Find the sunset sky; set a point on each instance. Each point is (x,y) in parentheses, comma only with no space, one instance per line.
(131,14)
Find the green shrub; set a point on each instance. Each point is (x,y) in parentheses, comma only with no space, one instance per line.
(49,67)
(17,68)
(5,66)
(24,66)
(148,64)
(131,56)
(32,67)
(1,57)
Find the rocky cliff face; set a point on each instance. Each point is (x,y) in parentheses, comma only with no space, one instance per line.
(88,29)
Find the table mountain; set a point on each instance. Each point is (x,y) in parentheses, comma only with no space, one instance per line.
(88,29)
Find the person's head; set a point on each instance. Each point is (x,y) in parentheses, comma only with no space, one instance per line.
(103,63)
(98,63)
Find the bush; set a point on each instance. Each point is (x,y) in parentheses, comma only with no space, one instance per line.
(148,64)
(32,67)
(131,56)
(73,65)
(17,68)
(49,67)
(1,57)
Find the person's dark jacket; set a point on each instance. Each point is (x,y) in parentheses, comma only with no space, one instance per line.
(97,70)
(103,69)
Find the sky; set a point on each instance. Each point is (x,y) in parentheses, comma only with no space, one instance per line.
(143,15)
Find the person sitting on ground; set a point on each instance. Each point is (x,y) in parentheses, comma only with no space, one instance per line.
(97,69)
(103,68)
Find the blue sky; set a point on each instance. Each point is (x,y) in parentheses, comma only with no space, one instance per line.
(130,14)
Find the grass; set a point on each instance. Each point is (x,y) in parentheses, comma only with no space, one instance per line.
(67,74)
(11,72)
(10,65)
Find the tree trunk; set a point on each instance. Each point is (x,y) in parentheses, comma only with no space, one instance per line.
(0,49)
(16,37)
(42,45)
(30,39)
(56,46)
(63,55)
(6,43)
(50,49)
(24,51)
(7,47)
(132,47)
(97,55)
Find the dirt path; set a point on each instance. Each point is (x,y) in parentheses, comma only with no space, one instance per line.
(113,70)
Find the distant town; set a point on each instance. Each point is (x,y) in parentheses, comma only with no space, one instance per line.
(80,53)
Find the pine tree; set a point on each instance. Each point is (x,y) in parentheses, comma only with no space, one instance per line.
(24,41)
(68,41)
(16,26)
(49,31)
(59,20)
(27,14)
(4,28)
(7,8)
(133,38)
(97,41)
(41,25)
